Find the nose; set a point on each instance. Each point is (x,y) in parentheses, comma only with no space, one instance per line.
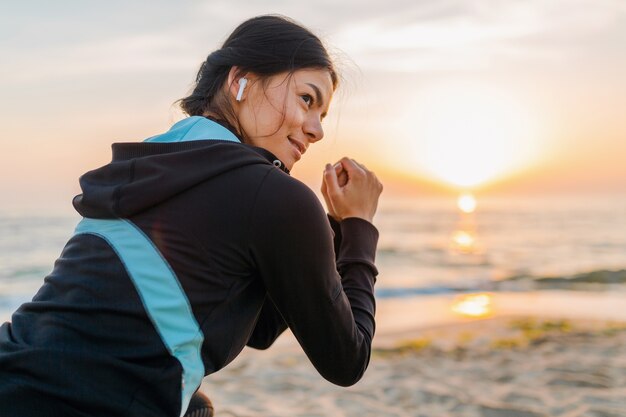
(313,129)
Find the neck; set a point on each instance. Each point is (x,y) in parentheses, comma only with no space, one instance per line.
(224,122)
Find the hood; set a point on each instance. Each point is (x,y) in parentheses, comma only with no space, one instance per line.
(143,174)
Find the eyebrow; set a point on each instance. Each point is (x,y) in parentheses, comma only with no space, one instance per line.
(318,95)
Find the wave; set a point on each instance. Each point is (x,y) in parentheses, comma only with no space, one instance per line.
(598,280)
(601,277)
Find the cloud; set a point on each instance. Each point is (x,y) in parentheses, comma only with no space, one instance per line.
(397,36)
(457,37)
(58,43)
(123,55)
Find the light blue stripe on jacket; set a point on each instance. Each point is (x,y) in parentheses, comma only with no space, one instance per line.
(194,128)
(163,298)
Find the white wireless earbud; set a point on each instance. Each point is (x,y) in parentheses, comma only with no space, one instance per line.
(242,86)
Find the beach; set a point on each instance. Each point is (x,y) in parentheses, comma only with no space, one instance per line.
(511,364)
(549,343)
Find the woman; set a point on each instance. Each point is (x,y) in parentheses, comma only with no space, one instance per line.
(197,242)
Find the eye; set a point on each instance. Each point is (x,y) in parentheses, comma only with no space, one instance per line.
(308,99)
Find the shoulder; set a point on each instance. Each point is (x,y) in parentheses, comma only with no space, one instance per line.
(281,190)
(286,207)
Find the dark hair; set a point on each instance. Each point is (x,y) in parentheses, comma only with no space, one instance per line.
(265,45)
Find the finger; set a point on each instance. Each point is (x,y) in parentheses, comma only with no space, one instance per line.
(362,166)
(329,204)
(342,174)
(351,167)
(324,190)
(342,178)
(330,178)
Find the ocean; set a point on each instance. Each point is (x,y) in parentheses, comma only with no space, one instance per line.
(430,246)
(426,246)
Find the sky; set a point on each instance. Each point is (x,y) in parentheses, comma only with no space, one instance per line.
(496,97)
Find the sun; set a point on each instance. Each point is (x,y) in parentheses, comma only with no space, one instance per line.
(466,203)
(468,135)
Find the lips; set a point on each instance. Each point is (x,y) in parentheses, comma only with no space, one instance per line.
(298,145)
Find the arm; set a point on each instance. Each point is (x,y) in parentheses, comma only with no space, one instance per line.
(328,305)
(336,228)
(270,323)
(268,327)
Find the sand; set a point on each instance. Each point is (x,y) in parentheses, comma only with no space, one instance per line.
(547,353)
(561,364)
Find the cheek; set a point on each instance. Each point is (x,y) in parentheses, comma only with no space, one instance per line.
(294,116)
(275,114)
(276,121)
(260,121)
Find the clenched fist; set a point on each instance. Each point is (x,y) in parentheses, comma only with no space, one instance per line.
(350,190)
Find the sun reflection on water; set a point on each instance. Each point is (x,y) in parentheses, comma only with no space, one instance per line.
(466,203)
(473,305)
(464,237)
(464,241)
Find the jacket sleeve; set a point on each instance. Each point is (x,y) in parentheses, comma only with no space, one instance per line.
(268,327)
(270,323)
(336,228)
(328,305)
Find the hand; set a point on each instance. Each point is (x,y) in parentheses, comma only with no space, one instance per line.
(350,190)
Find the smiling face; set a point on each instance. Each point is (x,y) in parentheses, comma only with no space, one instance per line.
(284,114)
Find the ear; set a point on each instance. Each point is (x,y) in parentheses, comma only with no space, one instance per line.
(234,75)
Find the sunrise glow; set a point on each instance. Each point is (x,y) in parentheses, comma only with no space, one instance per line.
(472,134)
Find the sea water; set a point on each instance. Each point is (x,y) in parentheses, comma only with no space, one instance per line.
(426,246)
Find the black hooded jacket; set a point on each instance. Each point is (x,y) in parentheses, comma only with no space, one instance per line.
(253,251)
